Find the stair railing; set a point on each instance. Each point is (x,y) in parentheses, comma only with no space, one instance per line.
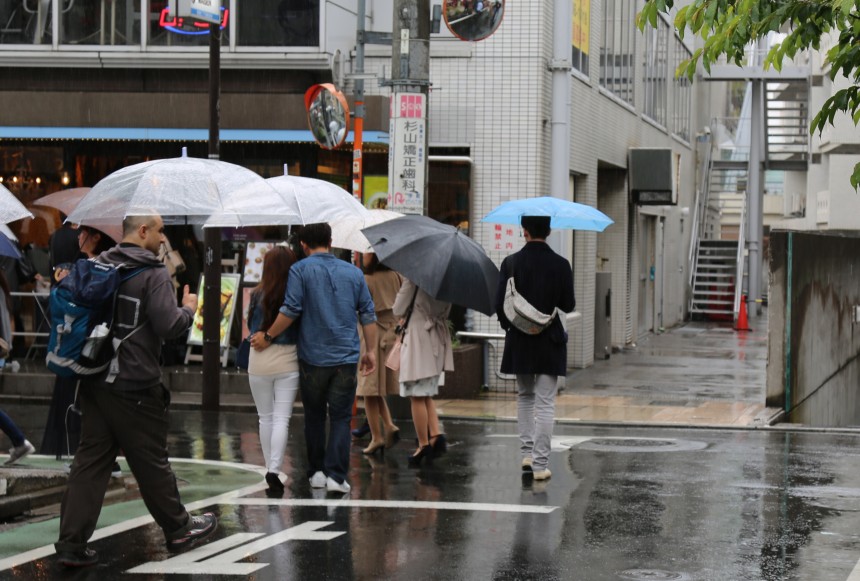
(700,213)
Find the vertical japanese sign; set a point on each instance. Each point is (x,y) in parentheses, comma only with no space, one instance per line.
(407,158)
(504,237)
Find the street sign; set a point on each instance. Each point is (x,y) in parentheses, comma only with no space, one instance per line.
(205,10)
(407,156)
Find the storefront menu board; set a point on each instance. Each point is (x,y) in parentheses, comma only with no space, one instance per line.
(254,253)
(229,290)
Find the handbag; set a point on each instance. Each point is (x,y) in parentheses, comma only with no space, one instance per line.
(171,259)
(522,315)
(243,353)
(393,360)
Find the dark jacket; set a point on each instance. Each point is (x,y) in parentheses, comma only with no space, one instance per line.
(147,299)
(545,280)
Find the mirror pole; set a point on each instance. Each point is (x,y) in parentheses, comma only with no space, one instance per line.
(212,242)
(358,116)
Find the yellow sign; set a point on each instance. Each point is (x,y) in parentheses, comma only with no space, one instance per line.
(376,192)
(581,24)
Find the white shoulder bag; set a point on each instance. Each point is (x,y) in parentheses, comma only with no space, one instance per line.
(522,315)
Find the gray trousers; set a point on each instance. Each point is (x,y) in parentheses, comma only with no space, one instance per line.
(535,416)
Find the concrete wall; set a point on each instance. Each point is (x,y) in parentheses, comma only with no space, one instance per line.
(813,345)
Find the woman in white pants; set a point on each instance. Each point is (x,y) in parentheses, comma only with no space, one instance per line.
(274,372)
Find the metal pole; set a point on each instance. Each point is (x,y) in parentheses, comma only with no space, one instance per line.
(358,124)
(410,73)
(560,65)
(212,243)
(755,193)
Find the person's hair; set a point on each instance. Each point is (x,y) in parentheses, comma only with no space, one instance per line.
(105,242)
(131,223)
(373,265)
(273,283)
(536,226)
(316,235)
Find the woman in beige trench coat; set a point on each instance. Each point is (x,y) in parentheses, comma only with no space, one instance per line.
(425,354)
(383,285)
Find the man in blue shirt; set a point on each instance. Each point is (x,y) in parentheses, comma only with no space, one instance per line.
(332,298)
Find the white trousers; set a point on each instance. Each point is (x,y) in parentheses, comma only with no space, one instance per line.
(535,416)
(274,396)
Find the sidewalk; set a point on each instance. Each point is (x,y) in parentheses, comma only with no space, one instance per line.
(698,374)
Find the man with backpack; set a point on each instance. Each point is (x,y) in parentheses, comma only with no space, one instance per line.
(125,407)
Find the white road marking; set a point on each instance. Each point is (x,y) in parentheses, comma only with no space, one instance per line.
(413,504)
(191,558)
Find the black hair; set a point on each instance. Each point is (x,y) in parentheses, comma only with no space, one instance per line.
(536,226)
(316,235)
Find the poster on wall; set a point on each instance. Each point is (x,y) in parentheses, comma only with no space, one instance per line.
(229,289)
(376,192)
(254,254)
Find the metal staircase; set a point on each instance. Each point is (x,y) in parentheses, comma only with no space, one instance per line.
(787,125)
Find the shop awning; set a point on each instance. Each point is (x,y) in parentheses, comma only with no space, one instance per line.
(167,134)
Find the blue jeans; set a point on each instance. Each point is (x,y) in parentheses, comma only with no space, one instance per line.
(11,430)
(332,390)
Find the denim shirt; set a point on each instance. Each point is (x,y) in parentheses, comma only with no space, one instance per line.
(331,298)
(255,322)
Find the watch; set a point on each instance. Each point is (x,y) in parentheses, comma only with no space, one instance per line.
(268,338)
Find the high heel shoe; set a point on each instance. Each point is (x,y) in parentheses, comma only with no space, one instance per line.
(373,447)
(439,443)
(391,438)
(415,459)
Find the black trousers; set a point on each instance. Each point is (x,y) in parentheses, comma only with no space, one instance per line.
(136,422)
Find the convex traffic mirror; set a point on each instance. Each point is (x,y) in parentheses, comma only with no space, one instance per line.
(473,19)
(328,115)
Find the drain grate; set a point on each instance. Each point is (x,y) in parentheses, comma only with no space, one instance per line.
(652,575)
(640,445)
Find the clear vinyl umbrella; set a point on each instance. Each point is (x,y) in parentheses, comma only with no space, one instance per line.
(300,201)
(346,232)
(180,189)
(10,208)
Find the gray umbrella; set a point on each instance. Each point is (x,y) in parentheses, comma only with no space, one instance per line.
(441,260)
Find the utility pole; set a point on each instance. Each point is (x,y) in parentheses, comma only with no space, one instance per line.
(212,243)
(359,113)
(560,66)
(410,80)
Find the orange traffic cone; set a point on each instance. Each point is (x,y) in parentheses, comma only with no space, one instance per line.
(742,323)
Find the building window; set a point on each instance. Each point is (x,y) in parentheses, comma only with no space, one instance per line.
(581,34)
(656,71)
(682,93)
(617,61)
(282,23)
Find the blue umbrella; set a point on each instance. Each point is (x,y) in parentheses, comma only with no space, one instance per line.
(563,214)
(8,248)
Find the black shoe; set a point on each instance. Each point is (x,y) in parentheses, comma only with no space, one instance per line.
(415,459)
(361,431)
(201,528)
(274,481)
(439,443)
(82,558)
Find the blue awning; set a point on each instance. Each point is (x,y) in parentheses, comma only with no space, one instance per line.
(167,134)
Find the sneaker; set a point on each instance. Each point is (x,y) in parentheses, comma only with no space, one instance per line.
(544,474)
(83,558)
(19,452)
(201,528)
(116,470)
(318,480)
(332,485)
(527,464)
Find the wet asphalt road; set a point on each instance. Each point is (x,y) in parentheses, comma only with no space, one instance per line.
(623,504)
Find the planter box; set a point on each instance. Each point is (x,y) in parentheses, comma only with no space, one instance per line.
(466,379)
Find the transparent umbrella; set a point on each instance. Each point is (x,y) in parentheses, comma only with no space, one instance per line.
(346,232)
(301,201)
(183,189)
(10,208)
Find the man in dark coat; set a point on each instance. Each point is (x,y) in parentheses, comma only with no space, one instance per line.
(545,280)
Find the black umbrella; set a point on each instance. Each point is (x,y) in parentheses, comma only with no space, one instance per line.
(441,260)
